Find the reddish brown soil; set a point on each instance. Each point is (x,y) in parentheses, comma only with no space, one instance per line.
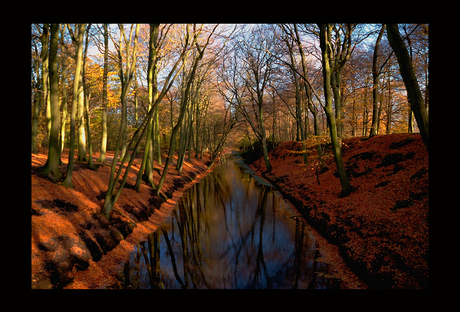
(381,228)
(73,245)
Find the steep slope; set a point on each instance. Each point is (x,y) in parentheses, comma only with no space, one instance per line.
(70,238)
(382,227)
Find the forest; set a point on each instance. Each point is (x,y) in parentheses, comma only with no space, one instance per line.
(187,87)
(108,94)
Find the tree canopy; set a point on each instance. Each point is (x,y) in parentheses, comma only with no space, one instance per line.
(200,88)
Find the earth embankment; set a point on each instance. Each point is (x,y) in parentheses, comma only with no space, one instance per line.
(381,228)
(73,245)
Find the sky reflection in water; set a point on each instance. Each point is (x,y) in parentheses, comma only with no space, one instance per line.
(228,232)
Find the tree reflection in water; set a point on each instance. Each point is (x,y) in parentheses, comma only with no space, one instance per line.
(229,232)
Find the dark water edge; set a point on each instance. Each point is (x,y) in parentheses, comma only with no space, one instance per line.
(232,230)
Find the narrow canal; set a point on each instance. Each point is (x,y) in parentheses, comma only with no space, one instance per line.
(229,231)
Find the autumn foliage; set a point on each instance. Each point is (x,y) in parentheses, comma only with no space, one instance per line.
(73,245)
(382,227)
(199,89)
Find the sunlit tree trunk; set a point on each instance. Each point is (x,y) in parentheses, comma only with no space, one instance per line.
(45,76)
(325,43)
(51,168)
(182,125)
(410,121)
(336,86)
(37,104)
(81,120)
(88,130)
(146,170)
(172,141)
(197,127)
(375,84)
(78,44)
(63,108)
(87,96)
(64,97)
(389,105)
(104,96)
(156,133)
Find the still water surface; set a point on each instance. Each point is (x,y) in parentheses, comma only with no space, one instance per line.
(229,231)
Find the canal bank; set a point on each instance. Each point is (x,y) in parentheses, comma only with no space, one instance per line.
(381,229)
(234,230)
(73,246)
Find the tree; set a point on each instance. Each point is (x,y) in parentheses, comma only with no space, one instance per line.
(104,96)
(410,81)
(40,95)
(64,92)
(112,192)
(186,87)
(155,43)
(326,48)
(301,131)
(249,80)
(307,87)
(78,44)
(126,77)
(193,101)
(51,168)
(86,102)
(82,154)
(226,125)
(375,84)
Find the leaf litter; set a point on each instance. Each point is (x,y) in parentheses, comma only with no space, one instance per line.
(381,229)
(72,245)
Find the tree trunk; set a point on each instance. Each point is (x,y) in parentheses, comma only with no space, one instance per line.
(325,42)
(313,109)
(262,132)
(126,78)
(104,96)
(86,96)
(146,171)
(183,106)
(81,120)
(172,147)
(389,106)
(335,83)
(51,168)
(45,76)
(410,81)
(353,119)
(79,48)
(301,129)
(36,112)
(88,130)
(375,84)
(197,126)
(365,112)
(156,133)
(410,123)
(111,198)
(64,110)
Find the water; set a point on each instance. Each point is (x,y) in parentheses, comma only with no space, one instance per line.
(229,231)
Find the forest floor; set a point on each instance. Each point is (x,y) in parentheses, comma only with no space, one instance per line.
(73,245)
(381,229)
